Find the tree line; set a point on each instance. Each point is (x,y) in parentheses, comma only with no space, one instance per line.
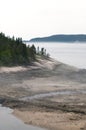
(13,51)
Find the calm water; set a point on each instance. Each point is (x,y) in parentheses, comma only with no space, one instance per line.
(69,53)
(9,122)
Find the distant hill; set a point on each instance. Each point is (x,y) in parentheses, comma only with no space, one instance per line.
(61,38)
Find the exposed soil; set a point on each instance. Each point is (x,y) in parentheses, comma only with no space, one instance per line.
(55,112)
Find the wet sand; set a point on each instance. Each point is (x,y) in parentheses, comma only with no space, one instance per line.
(56,111)
(9,122)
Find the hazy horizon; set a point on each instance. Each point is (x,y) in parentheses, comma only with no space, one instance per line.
(40,18)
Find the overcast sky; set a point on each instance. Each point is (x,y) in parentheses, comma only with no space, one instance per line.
(36,18)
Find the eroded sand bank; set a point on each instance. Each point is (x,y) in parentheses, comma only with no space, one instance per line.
(56,112)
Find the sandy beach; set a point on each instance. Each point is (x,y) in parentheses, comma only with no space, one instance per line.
(30,91)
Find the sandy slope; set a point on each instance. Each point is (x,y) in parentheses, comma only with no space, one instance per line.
(45,76)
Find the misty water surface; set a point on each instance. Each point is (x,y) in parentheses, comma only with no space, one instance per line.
(69,53)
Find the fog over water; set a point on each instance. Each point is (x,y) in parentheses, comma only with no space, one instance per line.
(70,53)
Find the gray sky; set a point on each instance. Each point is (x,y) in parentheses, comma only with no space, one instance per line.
(36,18)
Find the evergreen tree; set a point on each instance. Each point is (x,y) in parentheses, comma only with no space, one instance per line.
(14,51)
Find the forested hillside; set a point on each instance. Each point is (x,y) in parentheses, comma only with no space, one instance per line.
(61,38)
(13,51)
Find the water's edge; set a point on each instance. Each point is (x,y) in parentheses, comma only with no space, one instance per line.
(73,54)
(10,122)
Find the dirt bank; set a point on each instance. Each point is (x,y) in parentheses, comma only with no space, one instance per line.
(45,76)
